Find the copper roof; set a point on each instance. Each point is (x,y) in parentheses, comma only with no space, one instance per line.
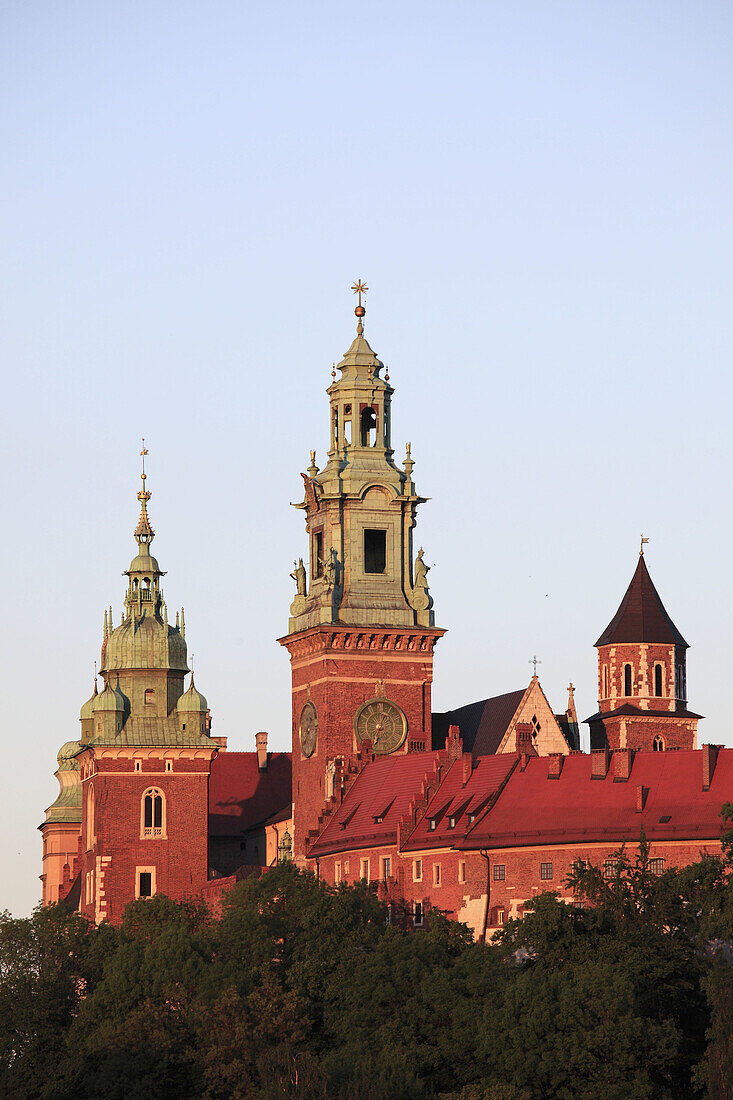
(641,616)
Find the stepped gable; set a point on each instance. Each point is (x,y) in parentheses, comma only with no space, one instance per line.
(464,795)
(241,796)
(641,616)
(382,790)
(482,725)
(538,806)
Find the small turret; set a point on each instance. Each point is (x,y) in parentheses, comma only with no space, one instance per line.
(193,711)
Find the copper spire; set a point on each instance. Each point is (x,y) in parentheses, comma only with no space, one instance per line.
(360,288)
(144,533)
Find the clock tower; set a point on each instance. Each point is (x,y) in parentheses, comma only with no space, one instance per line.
(361,628)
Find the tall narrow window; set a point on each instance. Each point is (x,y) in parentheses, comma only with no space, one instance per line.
(386,868)
(317,563)
(90,816)
(375,551)
(605,681)
(347,425)
(657,680)
(627,679)
(368,427)
(152,814)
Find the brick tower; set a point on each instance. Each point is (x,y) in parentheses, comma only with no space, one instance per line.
(135,785)
(642,676)
(362,630)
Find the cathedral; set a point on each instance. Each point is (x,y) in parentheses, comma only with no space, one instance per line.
(472,811)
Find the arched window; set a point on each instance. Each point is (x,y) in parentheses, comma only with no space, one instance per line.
(368,427)
(149,696)
(658,680)
(152,814)
(627,679)
(658,744)
(90,816)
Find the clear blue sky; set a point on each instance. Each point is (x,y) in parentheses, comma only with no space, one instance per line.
(539,196)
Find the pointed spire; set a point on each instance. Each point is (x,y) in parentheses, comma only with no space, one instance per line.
(641,616)
(106,628)
(183,624)
(144,533)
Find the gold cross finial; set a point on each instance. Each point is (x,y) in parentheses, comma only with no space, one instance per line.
(643,543)
(359,288)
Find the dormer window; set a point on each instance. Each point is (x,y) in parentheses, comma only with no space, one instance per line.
(432,824)
(451,822)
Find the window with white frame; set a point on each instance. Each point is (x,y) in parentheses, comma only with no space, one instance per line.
(417,870)
(364,870)
(462,871)
(436,874)
(417,914)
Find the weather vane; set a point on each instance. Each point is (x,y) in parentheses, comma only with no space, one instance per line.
(143,452)
(643,543)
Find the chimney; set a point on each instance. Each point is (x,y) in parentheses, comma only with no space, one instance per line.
(524,737)
(709,758)
(554,765)
(622,760)
(599,764)
(453,743)
(261,745)
(467,767)
(641,793)
(366,753)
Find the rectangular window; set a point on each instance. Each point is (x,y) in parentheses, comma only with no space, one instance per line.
(317,563)
(499,872)
(364,875)
(656,866)
(417,870)
(581,865)
(149,697)
(145,884)
(138,766)
(609,867)
(545,871)
(386,868)
(169,765)
(375,551)
(417,914)
(436,874)
(462,871)
(500,916)
(346,866)
(337,873)
(432,824)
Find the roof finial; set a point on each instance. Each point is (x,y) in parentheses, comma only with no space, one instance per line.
(144,533)
(534,661)
(359,288)
(643,541)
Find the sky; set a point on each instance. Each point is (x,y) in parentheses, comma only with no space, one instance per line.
(539,198)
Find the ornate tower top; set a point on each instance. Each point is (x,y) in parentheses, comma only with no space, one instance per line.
(361,508)
(144,533)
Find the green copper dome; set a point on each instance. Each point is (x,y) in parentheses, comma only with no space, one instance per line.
(88,708)
(192,700)
(111,699)
(67,753)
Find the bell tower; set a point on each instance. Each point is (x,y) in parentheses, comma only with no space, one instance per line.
(361,628)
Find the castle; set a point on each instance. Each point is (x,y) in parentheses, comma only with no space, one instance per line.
(472,811)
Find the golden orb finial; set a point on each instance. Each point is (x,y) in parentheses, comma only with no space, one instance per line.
(359,288)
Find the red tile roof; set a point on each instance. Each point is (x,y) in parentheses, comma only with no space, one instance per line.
(482,724)
(575,808)
(241,796)
(454,799)
(384,788)
(641,616)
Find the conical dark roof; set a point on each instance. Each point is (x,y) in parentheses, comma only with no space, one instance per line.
(641,616)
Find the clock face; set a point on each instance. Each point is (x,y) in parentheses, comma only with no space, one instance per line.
(308,728)
(383,723)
